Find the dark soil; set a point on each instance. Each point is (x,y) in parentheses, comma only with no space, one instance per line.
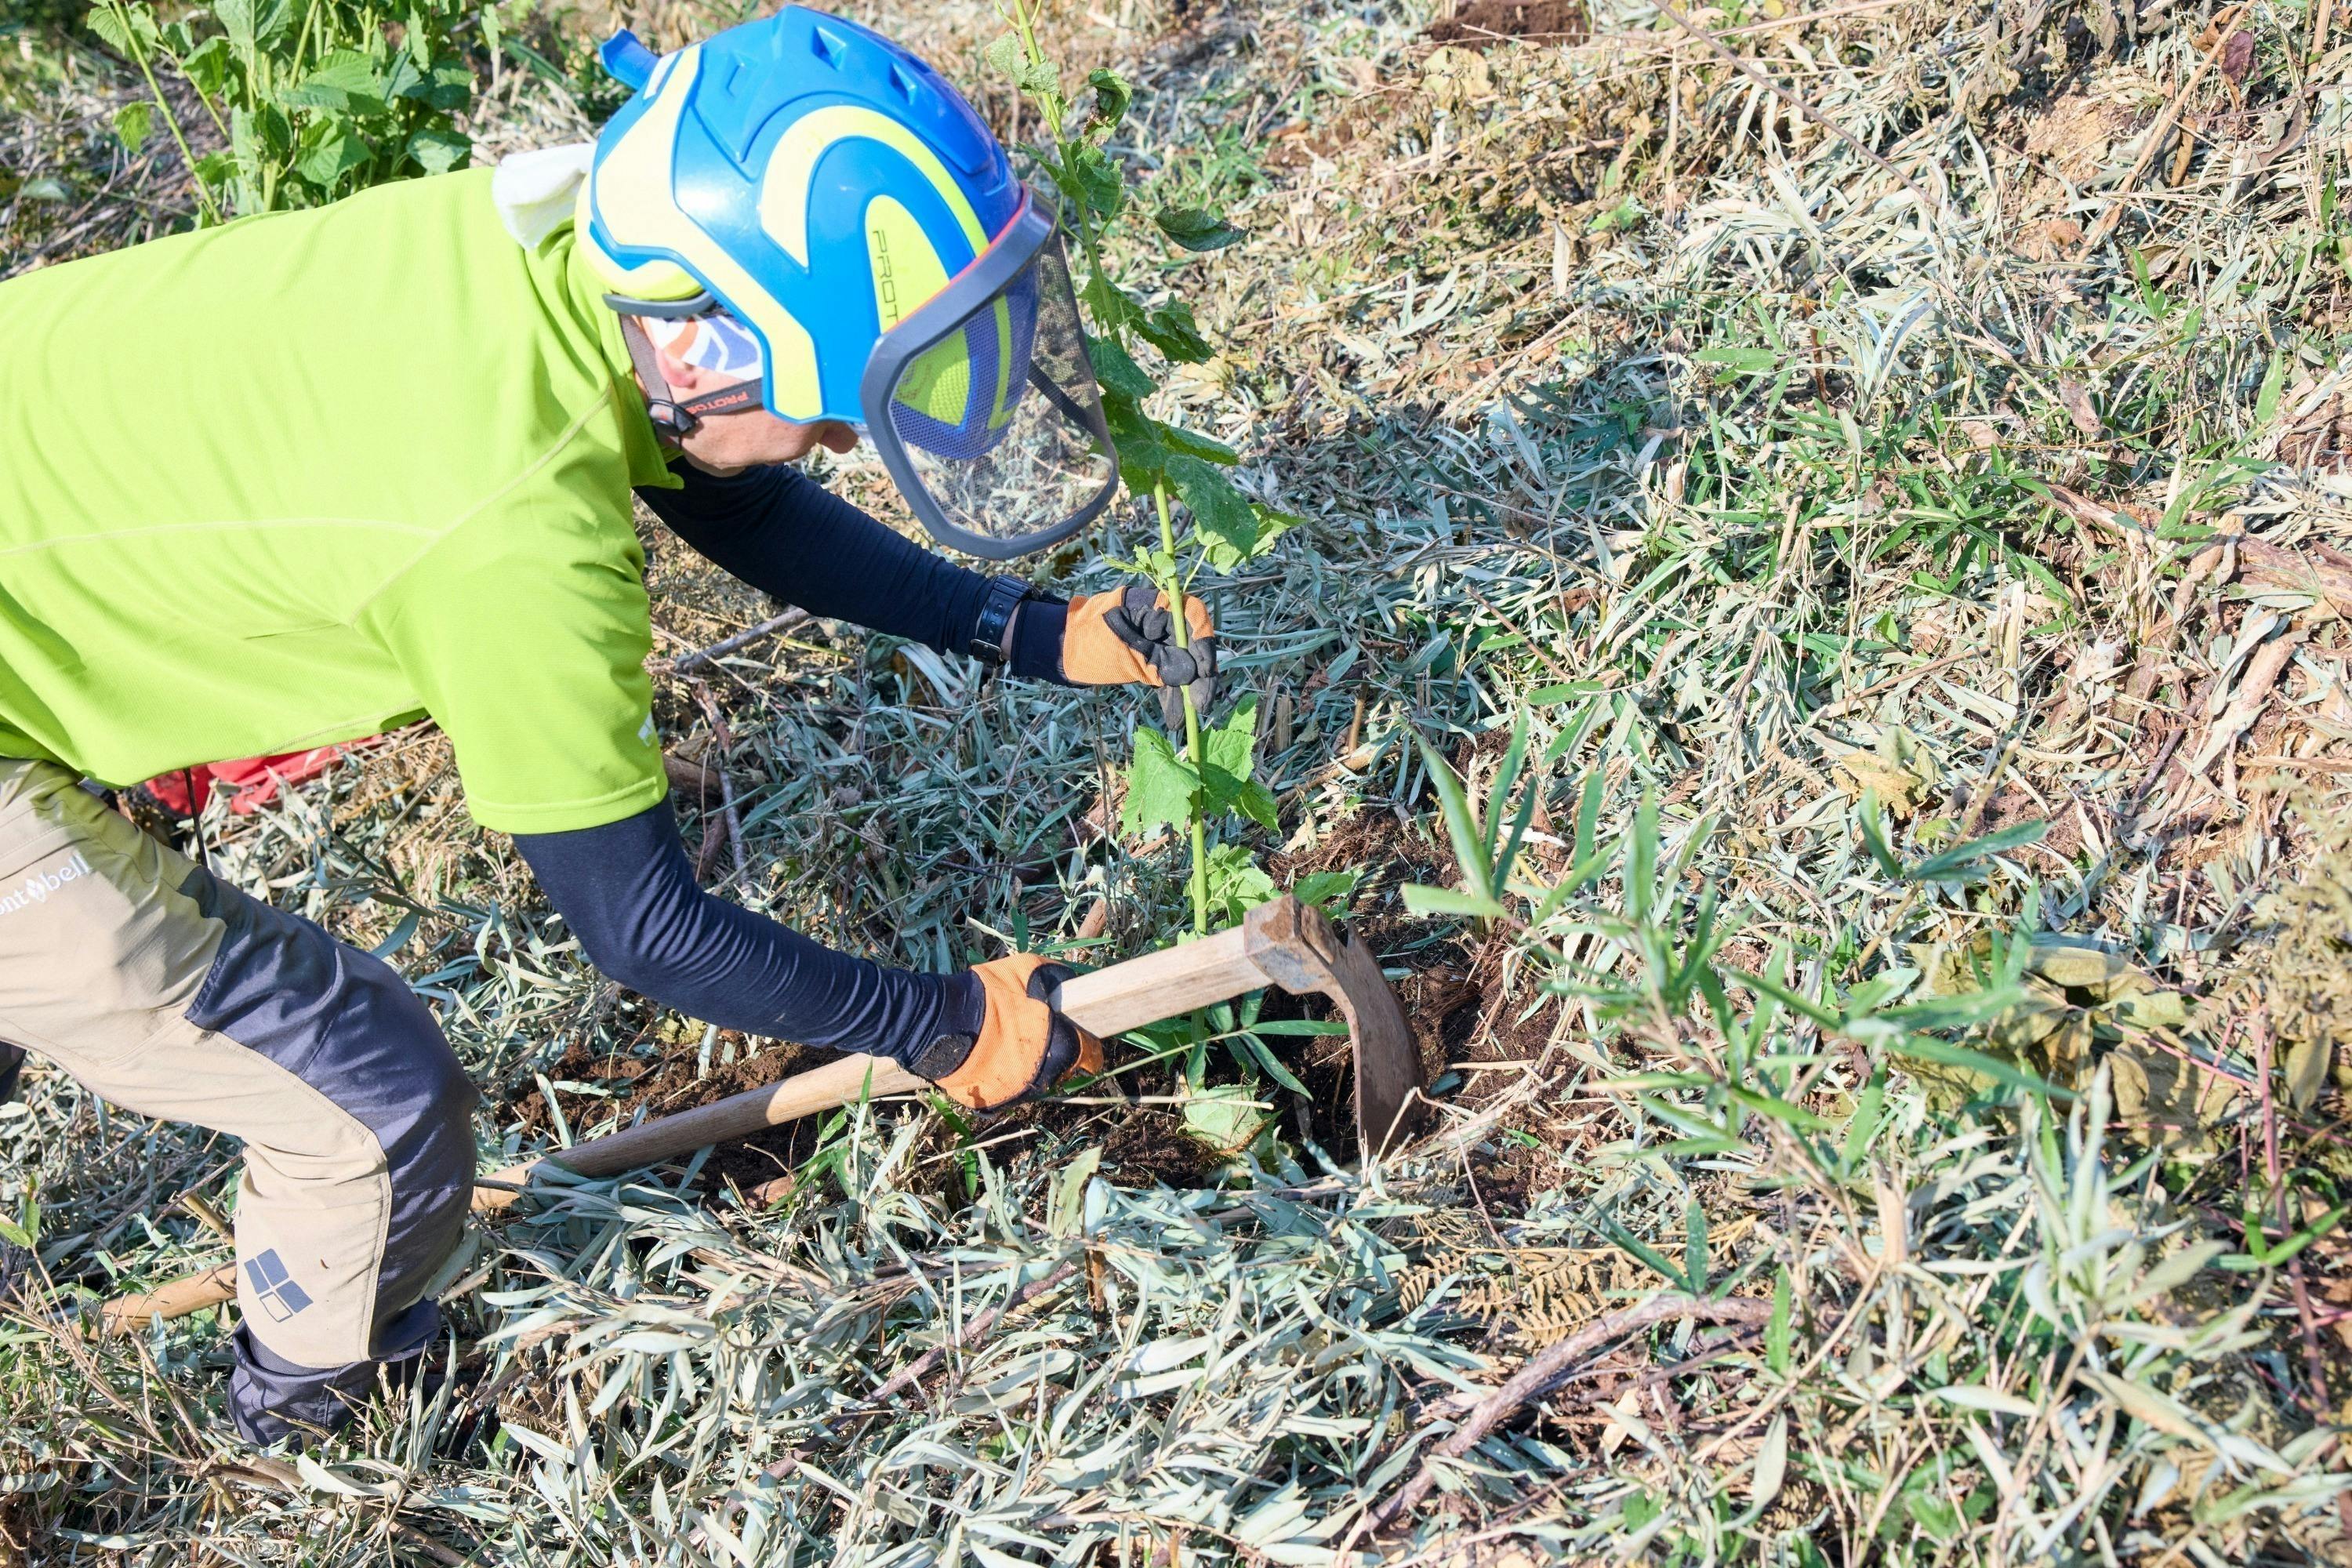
(16,1531)
(1482,23)
(1453,998)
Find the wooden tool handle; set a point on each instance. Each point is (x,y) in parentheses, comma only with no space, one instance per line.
(1162,984)
(176,1299)
(827,1088)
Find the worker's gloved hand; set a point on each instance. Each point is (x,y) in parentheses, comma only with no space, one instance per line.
(1023,1047)
(1128,637)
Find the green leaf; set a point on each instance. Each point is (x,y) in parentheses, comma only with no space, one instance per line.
(1006,54)
(131,124)
(1092,178)
(1498,793)
(1874,835)
(1192,444)
(1142,460)
(1042,80)
(346,80)
(403,77)
(1172,331)
(1116,371)
(1427,900)
(1739,362)
(1257,803)
(1231,756)
(1198,229)
(448,86)
(1271,526)
(333,154)
(249,23)
(1827,1018)
(1265,1058)
(1213,1115)
(1642,859)
(1161,788)
(1142,465)
(1112,95)
(438,151)
(1960,855)
(1037,77)
(1232,746)
(1460,822)
(2267,400)
(1219,509)
(129,30)
(236,19)
(258,133)
(1327,890)
(1109,307)
(1236,882)
(1300,1025)
(208,66)
(1643,1251)
(1067,1214)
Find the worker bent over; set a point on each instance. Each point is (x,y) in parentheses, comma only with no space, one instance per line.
(275,485)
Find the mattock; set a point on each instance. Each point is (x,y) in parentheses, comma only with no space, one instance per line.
(1285,943)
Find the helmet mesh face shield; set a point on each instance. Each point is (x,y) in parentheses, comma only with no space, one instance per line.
(983,406)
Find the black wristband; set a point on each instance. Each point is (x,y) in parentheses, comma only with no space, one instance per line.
(988,629)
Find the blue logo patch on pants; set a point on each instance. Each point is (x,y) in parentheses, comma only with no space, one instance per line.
(280,1296)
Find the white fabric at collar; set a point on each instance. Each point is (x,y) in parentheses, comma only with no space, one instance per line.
(535,190)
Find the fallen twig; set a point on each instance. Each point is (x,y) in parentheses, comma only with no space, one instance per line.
(725,645)
(725,742)
(2223,26)
(1533,1380)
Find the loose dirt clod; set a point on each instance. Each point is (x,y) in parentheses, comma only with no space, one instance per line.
(1484,23)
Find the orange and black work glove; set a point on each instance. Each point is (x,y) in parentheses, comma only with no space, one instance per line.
(1023,1047)
(1128,637)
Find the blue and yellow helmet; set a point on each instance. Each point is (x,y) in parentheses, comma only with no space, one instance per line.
(831,193)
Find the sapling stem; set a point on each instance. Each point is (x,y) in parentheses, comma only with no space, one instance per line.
(1195,748)
(1049,108)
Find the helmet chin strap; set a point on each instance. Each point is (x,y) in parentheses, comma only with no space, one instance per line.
(675,418)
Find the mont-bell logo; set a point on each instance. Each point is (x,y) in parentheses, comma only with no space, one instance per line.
(36,887)
(273,1287)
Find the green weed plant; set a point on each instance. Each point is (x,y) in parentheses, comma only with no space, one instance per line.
(313,101)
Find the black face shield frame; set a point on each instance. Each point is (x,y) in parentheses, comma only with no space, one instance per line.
(1028,461)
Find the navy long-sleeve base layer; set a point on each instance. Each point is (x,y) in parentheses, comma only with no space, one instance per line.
(788,536)
(627,889)
(628,893)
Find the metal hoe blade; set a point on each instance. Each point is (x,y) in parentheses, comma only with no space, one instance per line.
(1296,948)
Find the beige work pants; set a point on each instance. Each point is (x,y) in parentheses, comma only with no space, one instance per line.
(175,996)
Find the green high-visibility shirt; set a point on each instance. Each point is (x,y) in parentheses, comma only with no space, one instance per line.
(312,475)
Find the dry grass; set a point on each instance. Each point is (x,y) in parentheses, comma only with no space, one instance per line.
(1848,515)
